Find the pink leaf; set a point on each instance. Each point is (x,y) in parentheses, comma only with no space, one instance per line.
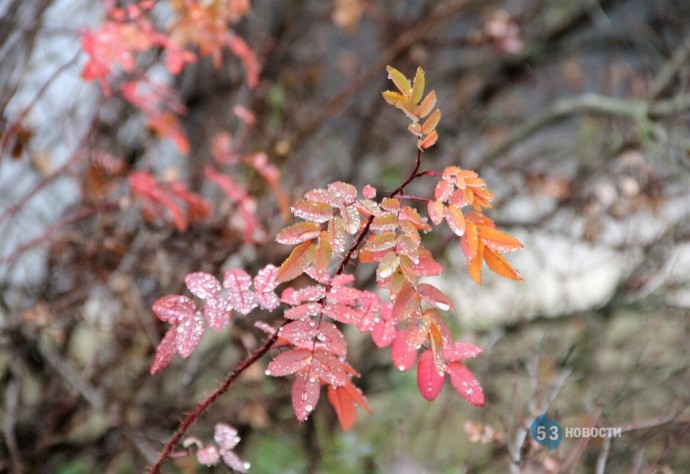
(165,352)
(265,279)
(305,395)
(299,332)
(233,461)
(239,283)
(331,339)
(289,362)
(188,333)
(208,456)
(307,310)
(341,313)
(460,351)
(403,352)
(369,191)
(466,384)
(172,308)
(203,285)
(216,314)
(429,380)
(226,436)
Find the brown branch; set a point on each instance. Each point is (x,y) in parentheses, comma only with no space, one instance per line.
(52,229)
(203,406)
(594,104)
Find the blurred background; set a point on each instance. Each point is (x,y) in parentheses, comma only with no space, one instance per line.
(575,113)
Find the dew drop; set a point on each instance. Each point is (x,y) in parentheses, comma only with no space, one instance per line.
(442,306)
(390,77)
(236,439)
(246,465)
(308,407)
(401,368)
(312,379)
(268,372)
(304,397)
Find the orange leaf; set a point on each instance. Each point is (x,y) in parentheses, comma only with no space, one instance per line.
(474,266)
(430,123)
(428,141)
(343,405)
(324,253)
(298,233)
(470,240)
(393,98)
(436,211)
(427,104)
(500,265)
(298,260)
(499,241)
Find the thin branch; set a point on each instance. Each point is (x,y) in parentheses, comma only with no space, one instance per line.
(194,415)
(52,229)
(632,109)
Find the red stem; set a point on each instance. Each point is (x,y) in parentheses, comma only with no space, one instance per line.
(203,406)
(256,355)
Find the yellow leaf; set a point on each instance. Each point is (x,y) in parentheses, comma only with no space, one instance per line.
(400,81)
(393,97)
(418,87)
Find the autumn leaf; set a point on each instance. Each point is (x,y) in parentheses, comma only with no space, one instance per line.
(300,258)
(429,380)
(298,233)
(466,384)
(305,395)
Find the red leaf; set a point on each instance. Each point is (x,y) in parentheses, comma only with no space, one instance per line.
(239,283)
(172,308)
(330,369)
(435,297)
(289,362)
(188,333)
(165,352)
(225,436)
(460,351)
(466,384)
(305,395)
(403,353)
(300,258)
(298,233)
(383,333)
(344,406)
(429,380)
(406,303)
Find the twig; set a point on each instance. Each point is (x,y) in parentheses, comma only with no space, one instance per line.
(632,109)
(603,455)
(203,406)
(404,41)
(9,420)
(669,69)
(77,216)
